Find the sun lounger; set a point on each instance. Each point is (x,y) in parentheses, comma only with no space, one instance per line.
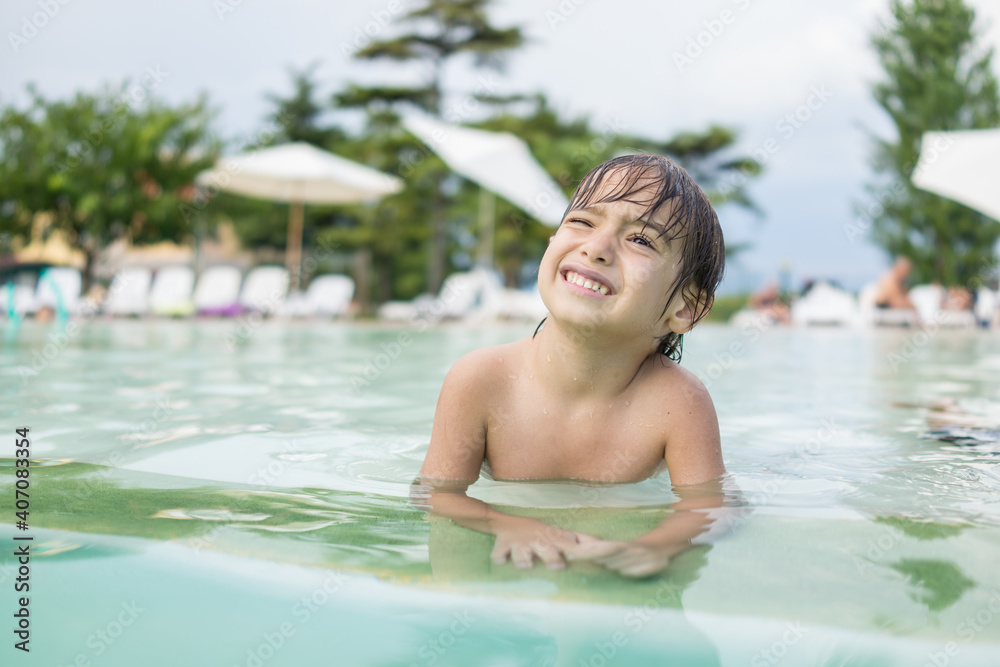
(521,304)
(928,300)
(59,289)
(987,308)
(468,295)
(329,296)
(751,318)
(265,289)
(871,315)
(172,291)
(218,291)
(825,305)
(129,292)
(17,299)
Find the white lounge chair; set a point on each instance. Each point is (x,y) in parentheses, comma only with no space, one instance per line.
(218,291)
(172,290)
(928,300)
(522,304)
(265,289)
(329,296)
(987,307)
(17,299)
(59,289)
(751,318)
(129,292)
(474,294)
(871,315)
(825,305)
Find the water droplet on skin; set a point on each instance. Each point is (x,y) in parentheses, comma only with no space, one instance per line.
(545,411)
(626,404)
(574,379)
(531,376)
(548,358)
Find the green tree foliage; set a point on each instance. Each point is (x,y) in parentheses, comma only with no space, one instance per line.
(434,33)
(101,167)
(936,78)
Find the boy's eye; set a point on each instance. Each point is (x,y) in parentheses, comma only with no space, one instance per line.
(580,220)
(644,240)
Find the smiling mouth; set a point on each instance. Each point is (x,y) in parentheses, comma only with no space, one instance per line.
(575,278)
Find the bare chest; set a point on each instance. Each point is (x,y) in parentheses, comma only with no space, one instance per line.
(532,436)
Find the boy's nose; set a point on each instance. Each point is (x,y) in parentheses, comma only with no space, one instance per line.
(598,248)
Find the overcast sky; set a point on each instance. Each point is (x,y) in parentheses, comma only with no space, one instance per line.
(624,63)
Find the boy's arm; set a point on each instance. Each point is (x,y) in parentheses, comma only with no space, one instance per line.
(454,458)
(458,436)
(693,455)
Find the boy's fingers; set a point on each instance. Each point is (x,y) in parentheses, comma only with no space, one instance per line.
(594,550)
(550,555)
(500,552)
(522,556)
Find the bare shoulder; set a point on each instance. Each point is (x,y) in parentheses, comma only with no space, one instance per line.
(458,436)
(690,425)
(482,369)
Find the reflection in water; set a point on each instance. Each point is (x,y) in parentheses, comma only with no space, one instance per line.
(937,583)
(921,529)
(266,452)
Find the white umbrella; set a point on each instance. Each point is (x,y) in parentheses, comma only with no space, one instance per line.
(500,163)
(963,166)
(298,173)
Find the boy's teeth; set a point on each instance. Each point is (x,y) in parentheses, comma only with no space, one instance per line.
(577,279)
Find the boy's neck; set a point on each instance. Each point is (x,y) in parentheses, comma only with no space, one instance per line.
(579,367)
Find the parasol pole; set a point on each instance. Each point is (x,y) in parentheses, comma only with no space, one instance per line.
(487,224)
(293,251)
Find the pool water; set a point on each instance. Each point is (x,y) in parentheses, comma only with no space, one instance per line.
(226,493)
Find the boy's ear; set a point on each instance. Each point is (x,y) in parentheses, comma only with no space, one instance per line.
(681,314)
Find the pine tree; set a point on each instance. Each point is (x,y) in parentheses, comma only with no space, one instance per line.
(936,78)
(436,32)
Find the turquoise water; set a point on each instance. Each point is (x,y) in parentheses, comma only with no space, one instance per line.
(208,494)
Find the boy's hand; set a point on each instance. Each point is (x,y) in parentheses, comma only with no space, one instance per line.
(632,559)
(523,539)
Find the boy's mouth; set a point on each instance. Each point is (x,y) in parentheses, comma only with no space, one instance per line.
(586,282)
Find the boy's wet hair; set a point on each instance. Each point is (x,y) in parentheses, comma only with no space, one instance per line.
(654,181)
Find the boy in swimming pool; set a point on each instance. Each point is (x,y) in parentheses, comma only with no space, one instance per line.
(596,393)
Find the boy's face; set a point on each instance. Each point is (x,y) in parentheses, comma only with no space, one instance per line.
(632,268)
